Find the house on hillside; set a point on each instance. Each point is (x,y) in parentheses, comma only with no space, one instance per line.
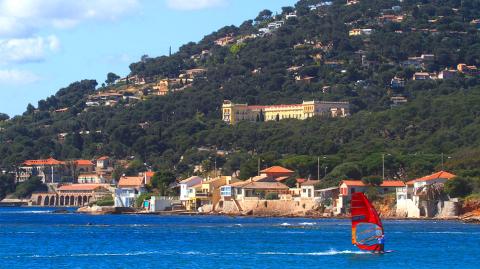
(128,190)
(447,74)
(90,178)
(421,76)
(410,198)
(470,70)
(347,187)
(277,172)
(360,32)
(49,170)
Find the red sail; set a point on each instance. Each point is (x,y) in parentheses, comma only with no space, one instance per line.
(367,227)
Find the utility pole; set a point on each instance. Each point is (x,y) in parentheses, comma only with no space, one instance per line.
(383,166)
(326,170)
(258,168)
(442,161)
(215,167)
(318,168)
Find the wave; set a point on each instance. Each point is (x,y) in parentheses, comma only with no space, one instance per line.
(307,223)
(138,253)
(285,224)
(322,253)
(28,212)
(446,232)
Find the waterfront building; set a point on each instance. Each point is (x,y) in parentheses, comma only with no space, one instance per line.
(256,188)
(185,188)
(308,189)
(72,195)
(234,113)
(128,190)
(409,197)
(207,192)
(347,187)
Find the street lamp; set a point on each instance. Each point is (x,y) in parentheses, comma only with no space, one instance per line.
(318,167)
(448,157)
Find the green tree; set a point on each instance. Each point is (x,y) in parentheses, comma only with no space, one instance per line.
(263,15)
(31,185)
(458,187)
(372,180)
(162,180)
(4,117)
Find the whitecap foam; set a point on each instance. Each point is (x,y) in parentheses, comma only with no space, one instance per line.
(138,253)
(285,224)
(307,223)
(28,212)
(321,253)
(446,232)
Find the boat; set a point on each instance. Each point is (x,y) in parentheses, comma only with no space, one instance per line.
(367,228)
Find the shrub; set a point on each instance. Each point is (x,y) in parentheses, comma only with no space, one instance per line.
(272,196)
(372,193)
(105,201)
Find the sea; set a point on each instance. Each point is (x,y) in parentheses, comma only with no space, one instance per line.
(40,238)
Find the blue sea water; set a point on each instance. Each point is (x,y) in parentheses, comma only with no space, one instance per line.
(37,238)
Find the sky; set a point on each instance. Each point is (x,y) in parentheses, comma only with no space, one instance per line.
(47,44)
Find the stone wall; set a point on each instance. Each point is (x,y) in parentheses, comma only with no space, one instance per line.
(268,207)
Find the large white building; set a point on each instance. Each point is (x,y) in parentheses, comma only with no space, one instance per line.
(233,113)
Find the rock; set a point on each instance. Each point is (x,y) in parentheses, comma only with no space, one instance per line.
(61,211)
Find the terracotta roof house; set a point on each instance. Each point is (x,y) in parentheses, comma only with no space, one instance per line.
(277,171)
(131,182)
(439,177)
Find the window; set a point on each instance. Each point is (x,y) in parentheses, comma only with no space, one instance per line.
(226,191)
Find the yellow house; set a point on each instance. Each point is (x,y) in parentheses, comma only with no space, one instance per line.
(207,192)
(233,113)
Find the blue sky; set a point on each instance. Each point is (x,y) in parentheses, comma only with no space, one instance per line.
(45,45)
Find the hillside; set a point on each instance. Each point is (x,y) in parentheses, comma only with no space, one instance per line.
(169,116)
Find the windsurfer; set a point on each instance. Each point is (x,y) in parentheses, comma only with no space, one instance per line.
(381,244)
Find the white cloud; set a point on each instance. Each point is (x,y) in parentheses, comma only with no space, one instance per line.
(23,18)
(194,4)
(24,50)
(17,77)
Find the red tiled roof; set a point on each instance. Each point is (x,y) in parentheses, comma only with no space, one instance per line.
(83,162)
(103,158)
(265,186)
(279,179)
(385,183)
(301,180)
(276,169)
(130,182)
(310,182)
(82,187)
(438,175)
(149,173)
(49,161)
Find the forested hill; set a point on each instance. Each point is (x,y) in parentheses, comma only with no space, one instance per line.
(315,54)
